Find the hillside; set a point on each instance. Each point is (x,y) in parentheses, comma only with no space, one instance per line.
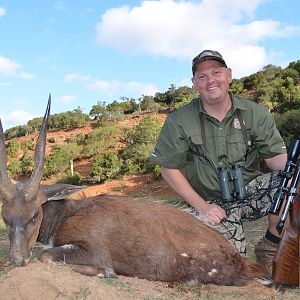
(82,166)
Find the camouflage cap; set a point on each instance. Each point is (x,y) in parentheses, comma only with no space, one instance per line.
(207,55)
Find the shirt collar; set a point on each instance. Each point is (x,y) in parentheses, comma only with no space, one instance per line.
(237,102)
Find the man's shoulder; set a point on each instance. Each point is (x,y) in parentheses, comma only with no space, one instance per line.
(250,106)
(184,111)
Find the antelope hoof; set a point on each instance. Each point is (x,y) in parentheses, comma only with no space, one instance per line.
(108,273)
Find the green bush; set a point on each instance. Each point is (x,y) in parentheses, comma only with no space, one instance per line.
(100,139)
(27,145)
(70,179)
(288,125)
(140,143)
(59,160)
(27,164)
(12,148)
(14,168)
(106,166)
(51,140)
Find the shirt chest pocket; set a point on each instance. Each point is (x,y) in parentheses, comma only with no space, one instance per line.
(196,150)
(236,148)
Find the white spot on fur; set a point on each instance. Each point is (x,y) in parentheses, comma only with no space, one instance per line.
(265,281)
(212,272)
(184,255)
(68,246)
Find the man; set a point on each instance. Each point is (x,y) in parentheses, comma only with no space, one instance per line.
(217,130)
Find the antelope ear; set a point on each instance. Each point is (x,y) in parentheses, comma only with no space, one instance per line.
(60,191)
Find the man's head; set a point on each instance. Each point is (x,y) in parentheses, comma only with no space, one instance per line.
(211,77)
(207,55)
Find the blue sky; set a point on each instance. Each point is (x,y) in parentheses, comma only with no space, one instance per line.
(87,51)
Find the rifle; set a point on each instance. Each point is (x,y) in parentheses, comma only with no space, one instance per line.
(286,263)
(286,175)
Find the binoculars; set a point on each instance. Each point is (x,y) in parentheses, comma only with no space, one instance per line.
(231,183)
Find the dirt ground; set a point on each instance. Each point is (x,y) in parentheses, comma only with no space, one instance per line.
(58,281)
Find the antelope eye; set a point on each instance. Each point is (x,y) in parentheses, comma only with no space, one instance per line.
(34,217)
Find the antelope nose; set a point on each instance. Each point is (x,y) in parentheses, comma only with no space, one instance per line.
(19,261)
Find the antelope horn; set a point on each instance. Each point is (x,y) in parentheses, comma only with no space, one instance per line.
(7,188)
(39,156)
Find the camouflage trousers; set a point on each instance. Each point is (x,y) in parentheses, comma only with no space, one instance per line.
(259,194)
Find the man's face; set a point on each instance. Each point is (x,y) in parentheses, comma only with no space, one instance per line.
(212,81)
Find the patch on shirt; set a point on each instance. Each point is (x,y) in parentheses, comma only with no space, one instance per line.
(236,123)
(153,153)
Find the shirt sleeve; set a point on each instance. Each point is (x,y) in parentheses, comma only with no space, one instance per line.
(269,141)
(172,146)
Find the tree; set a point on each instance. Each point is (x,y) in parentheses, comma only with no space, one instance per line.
(295,65)
(140,143)
(98,110)
(106,166)
(13,148)
(148,104)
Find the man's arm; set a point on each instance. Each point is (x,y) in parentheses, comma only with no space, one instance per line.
(277,162)
(211,213)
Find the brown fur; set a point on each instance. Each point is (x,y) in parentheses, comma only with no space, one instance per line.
(147,240)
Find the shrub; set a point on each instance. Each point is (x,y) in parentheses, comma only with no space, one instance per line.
(27,145)
(70,179)
(60,159)
(141,142)
(106,166)
(100,139)
(27,164)
(12,148)
(288,125)
(14,168)
(51,140)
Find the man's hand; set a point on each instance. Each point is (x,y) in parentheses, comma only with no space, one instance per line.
(212,214)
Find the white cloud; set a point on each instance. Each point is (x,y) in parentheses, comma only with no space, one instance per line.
(2,11)
(65,99)
(113,87)
(11,68)
(181,29)
(76,77)
(16,117)
(141,88)
(8,67)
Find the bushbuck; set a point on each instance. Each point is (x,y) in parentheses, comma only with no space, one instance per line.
(109,235)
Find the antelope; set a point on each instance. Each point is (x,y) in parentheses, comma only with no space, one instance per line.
(107,236)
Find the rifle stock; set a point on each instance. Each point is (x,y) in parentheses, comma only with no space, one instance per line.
(286,263)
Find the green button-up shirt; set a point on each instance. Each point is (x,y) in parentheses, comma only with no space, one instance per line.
(180,139)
